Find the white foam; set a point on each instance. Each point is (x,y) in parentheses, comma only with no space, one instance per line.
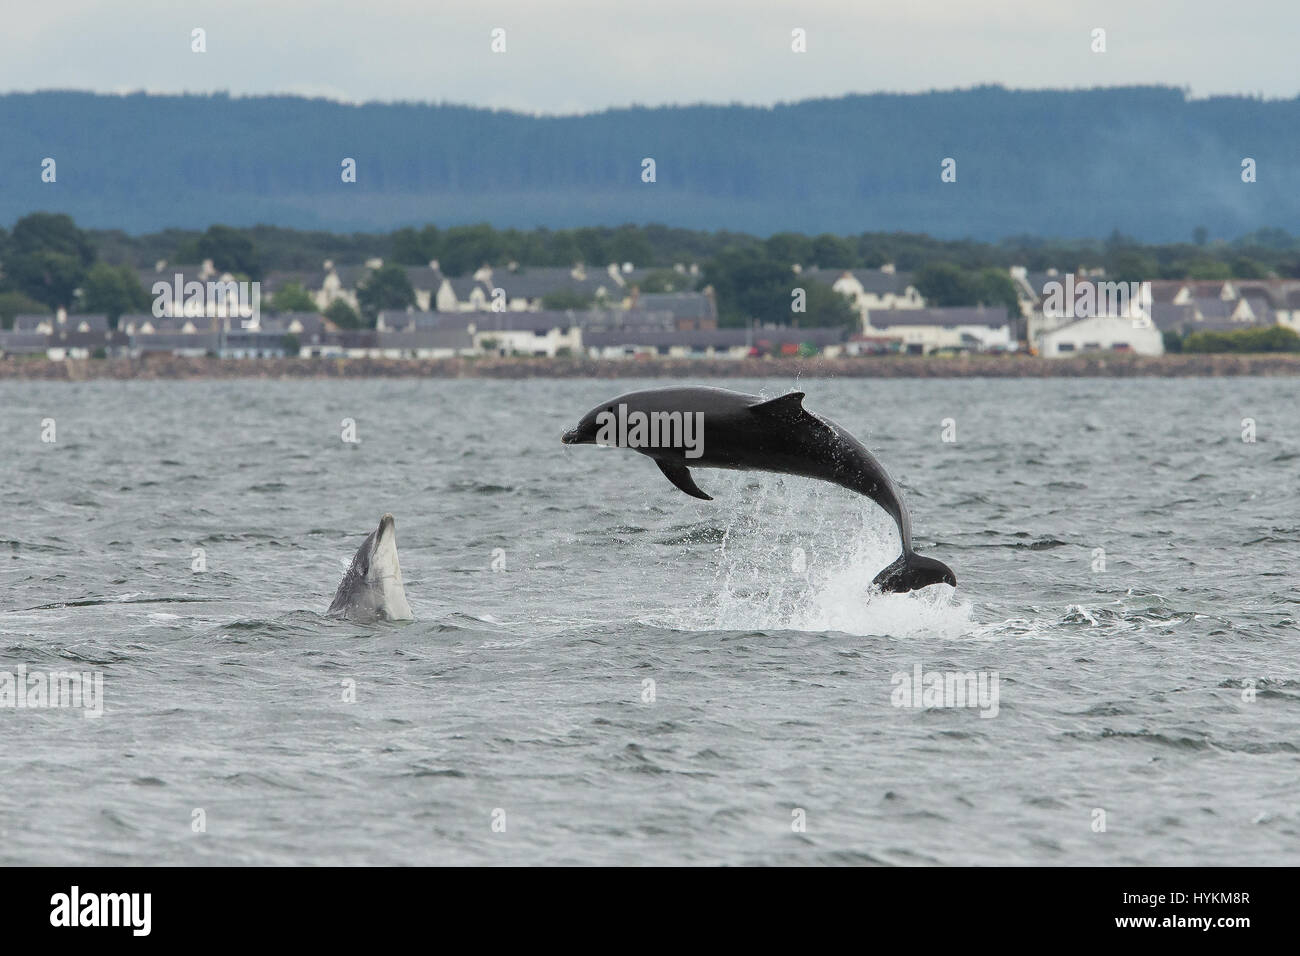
(761,584)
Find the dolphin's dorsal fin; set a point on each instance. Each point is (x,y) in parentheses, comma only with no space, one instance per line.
(787,406)
(680,476)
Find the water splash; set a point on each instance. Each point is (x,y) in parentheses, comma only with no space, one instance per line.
(797,556)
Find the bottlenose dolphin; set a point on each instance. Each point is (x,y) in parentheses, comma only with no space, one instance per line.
(719,428)
(372,586)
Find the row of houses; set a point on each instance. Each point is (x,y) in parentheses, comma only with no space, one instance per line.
(400,334)
(502,312)
(509,289)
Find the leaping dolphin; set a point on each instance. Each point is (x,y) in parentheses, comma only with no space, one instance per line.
(372,587)
(719,428)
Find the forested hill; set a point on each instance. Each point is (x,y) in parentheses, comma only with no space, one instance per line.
(1146,161)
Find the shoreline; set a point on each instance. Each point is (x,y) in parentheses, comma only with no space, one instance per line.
(895,366)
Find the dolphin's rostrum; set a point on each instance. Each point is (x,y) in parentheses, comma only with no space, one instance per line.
(750,433)
(371,588)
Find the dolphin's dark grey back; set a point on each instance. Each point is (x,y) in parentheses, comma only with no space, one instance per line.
(749,433)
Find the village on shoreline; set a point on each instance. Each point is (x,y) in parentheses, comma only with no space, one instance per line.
(506,314)
(733,305)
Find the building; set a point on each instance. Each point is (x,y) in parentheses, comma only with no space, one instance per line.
(543,333)
(23,343)
(651,342)
(923,331)
(1104,333)
(73,344)
(689,310)
(868,290)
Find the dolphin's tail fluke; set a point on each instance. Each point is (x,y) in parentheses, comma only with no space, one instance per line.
(912,571)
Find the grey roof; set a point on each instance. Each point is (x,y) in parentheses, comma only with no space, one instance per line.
(872,280)
(790,335)
(1212,308)
(686,305)
(1164,290)
(600,320)
(310,321)
(167,323)
(350,276)
(537,282)
(310,280)
(947,318)
(449,338)
(353,338)
(463,286)
(1167,316)
(661,338)
(402,321)
(96,321)
(101,338)
(542,320)
(423,278)
(23,342)
(173,341)
(715,338)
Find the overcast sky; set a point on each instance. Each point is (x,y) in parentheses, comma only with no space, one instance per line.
(565,56)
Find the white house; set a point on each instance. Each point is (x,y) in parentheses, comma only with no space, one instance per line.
(526,333)
(870,290)
(960,328)
(1102,333)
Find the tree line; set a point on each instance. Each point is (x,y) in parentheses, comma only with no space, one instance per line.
(48,262)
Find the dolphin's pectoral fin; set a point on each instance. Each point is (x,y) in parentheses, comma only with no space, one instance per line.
(680,476)
(787,406)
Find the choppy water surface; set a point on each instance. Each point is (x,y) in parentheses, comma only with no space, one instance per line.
(525,690)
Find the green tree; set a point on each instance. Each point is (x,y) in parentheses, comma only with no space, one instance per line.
(1208,269)
(51,232)
(1129,265)
(828,308)
(1275,338)
(385,288)
(16,303)
(113,290)
(996,288)
(50,277)
(231,250)
(343,315)
(664,280)
(945,284)
(751,285)
(292,297)
(834,252)
(408,248)
(47,258)
(567,299)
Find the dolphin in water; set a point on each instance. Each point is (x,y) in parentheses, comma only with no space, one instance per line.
(372,587)
(719,428)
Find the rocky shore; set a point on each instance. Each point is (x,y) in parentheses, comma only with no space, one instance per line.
(971,366)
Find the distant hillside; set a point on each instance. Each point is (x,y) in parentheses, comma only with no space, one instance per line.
(1146,161)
